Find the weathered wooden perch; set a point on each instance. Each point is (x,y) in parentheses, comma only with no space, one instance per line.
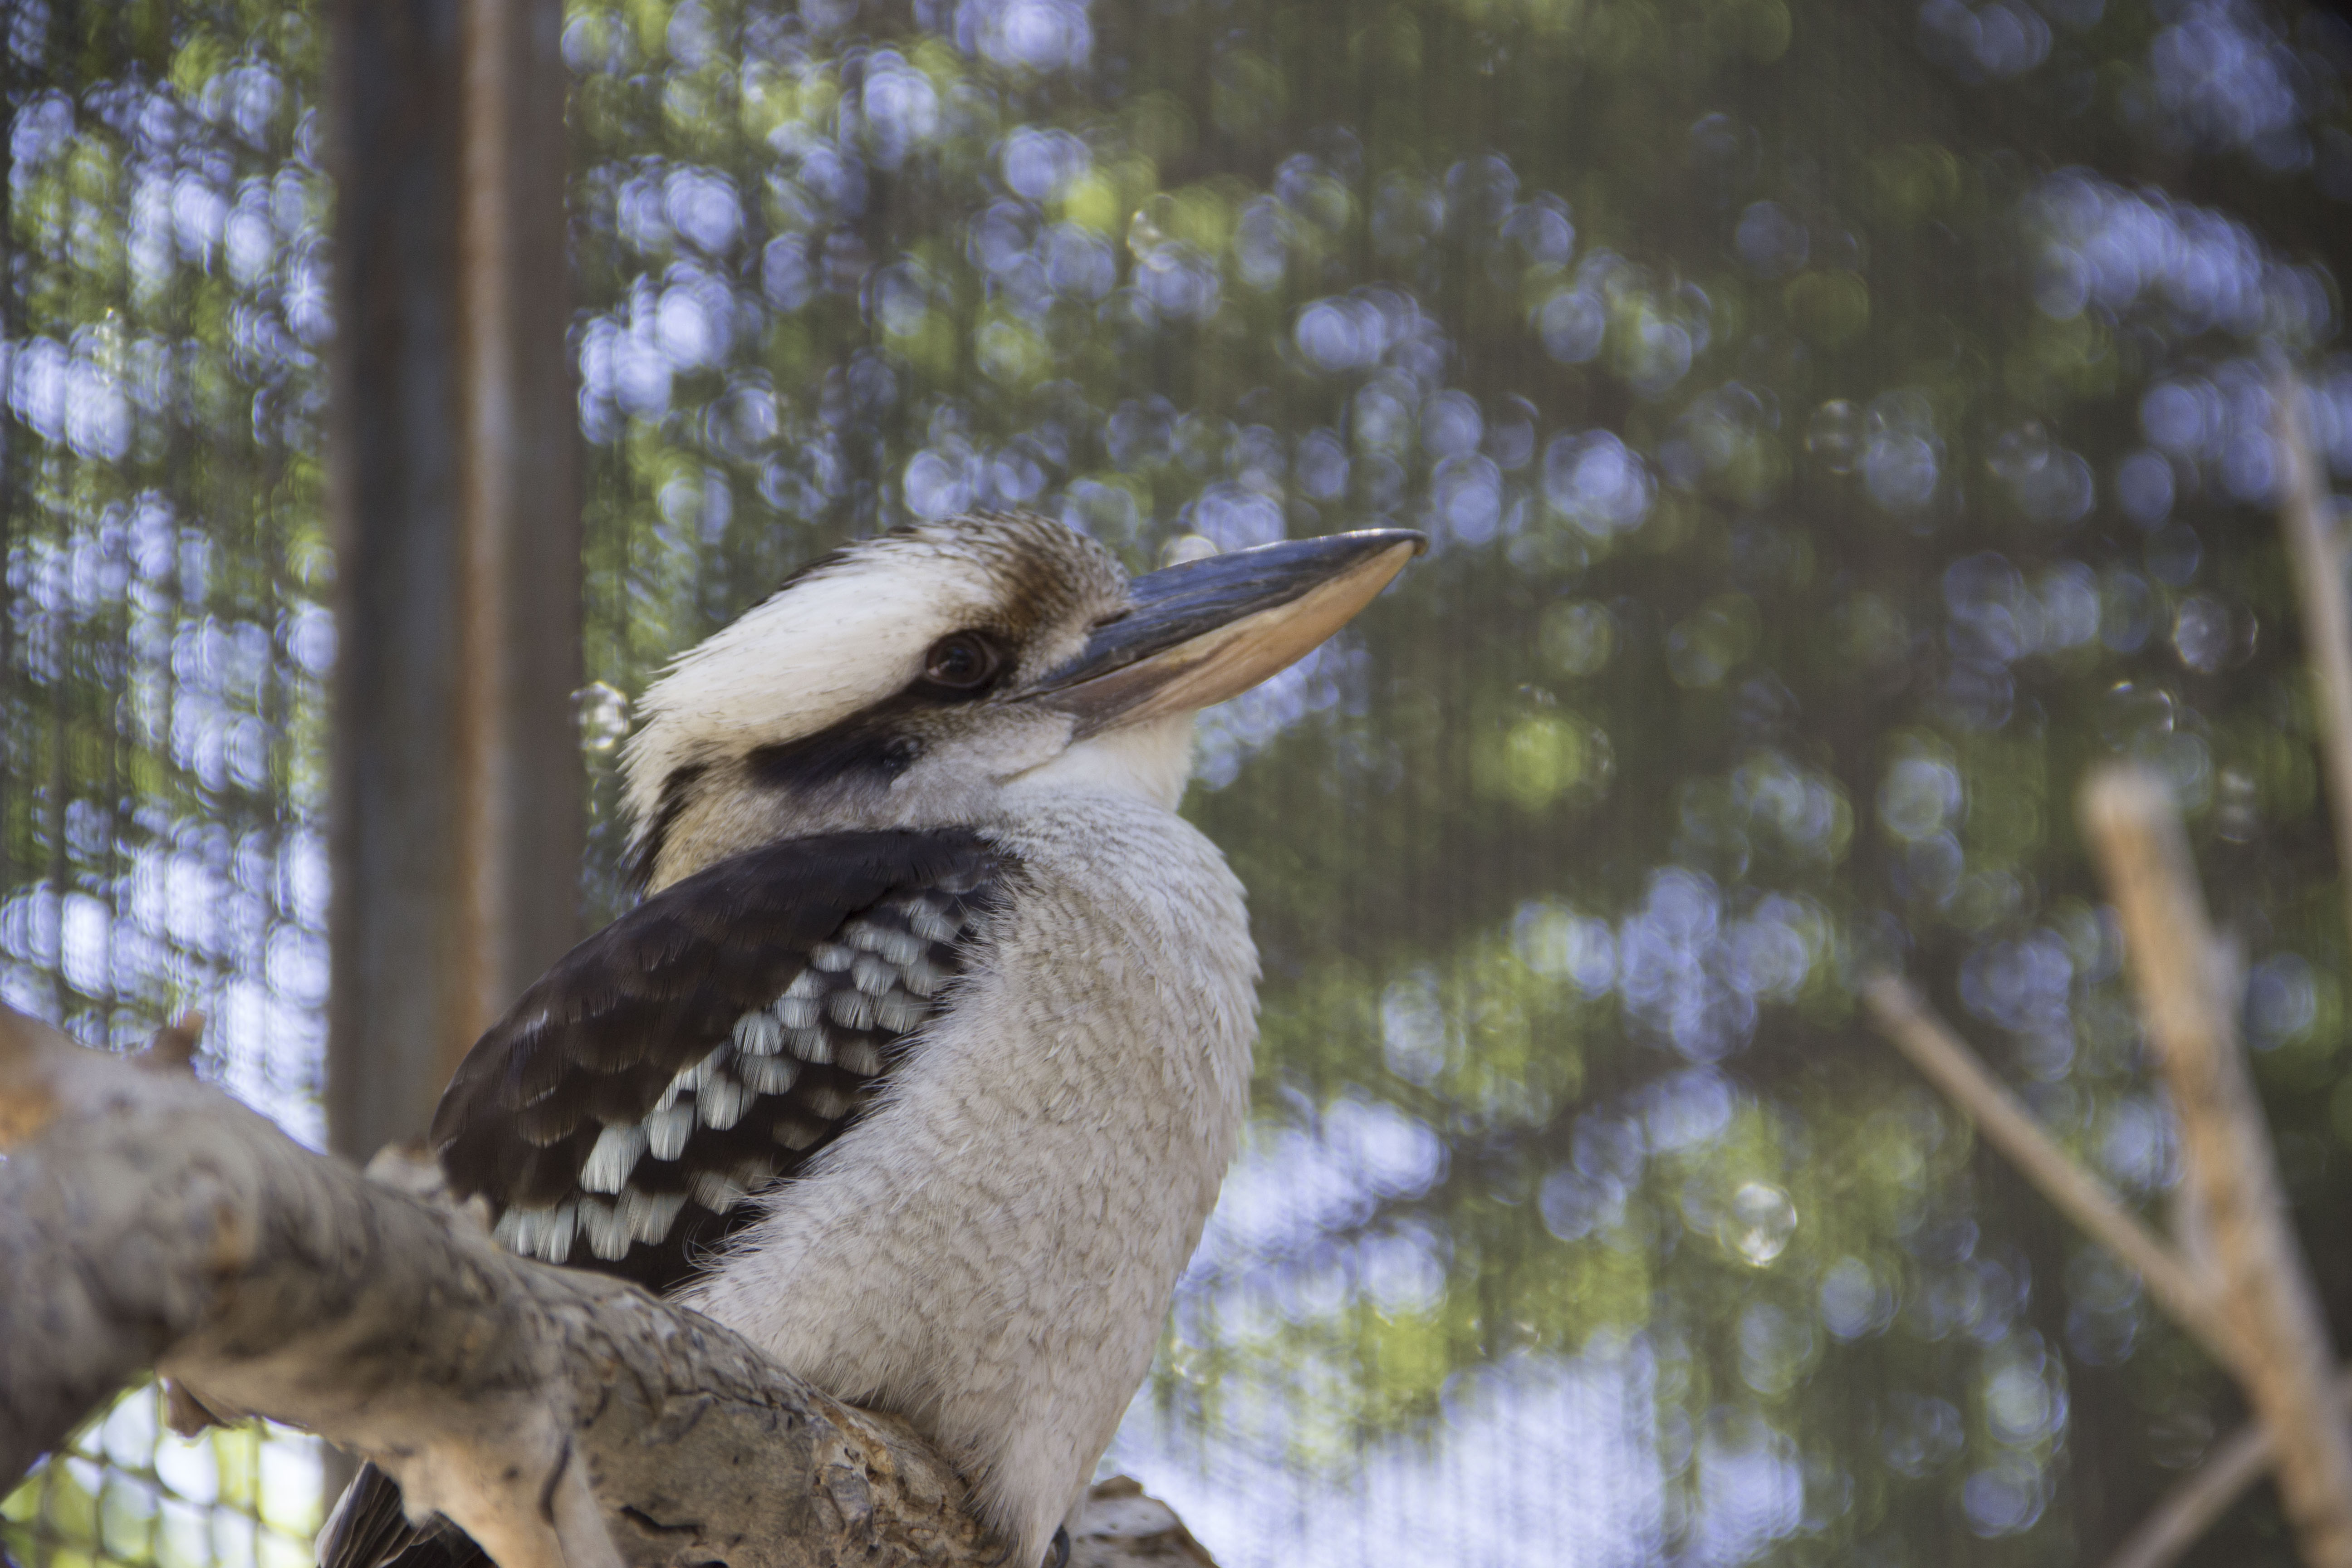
(562,1418)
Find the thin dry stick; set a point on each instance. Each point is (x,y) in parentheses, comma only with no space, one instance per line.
(1944,1059)
(2236,1464)
(2238,1461)
(2190,1508)
(2307,514)
(2289,1375)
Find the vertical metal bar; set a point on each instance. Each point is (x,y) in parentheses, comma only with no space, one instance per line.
(523,825)
(457,808)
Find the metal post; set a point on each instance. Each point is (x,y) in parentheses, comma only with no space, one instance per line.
(458,816)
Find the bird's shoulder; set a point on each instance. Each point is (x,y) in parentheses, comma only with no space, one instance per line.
(711,1041)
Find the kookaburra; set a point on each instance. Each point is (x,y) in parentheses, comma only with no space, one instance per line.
(923,1055)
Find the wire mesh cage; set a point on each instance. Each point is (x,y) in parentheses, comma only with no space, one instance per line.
(1807,503)
(130,1492)
(163,639)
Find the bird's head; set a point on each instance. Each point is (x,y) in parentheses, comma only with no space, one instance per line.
(918,678)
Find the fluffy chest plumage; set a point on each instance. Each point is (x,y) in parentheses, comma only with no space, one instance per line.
(992,1248)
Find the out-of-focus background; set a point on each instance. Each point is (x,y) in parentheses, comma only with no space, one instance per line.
(1839,424)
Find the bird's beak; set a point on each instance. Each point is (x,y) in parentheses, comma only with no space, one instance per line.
(1210,629)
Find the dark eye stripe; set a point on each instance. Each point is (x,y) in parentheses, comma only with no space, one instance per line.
(676,790)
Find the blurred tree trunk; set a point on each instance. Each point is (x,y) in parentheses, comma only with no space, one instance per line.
(458,779)
(458,813)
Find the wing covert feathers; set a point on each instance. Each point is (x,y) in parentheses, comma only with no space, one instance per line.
(707,1042)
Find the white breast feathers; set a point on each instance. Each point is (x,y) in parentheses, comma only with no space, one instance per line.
(991,1251)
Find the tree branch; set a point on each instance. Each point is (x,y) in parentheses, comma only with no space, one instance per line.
(2180,1519)
(1904,1018)
(2316,546)
(2315,543)
(2266,1290)
(562,1418)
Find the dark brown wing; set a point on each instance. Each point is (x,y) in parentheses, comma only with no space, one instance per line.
(369,1529)
(707,1043)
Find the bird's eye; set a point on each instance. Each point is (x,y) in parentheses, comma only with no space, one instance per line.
(962,661)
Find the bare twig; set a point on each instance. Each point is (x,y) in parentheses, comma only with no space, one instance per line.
(2307,514)
(1903,1017)
(2184,1514)
(2266,1290)
(2238,1461)
(2316,546)
(2262,1317)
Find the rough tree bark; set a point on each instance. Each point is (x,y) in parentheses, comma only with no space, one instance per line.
(560,1417)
